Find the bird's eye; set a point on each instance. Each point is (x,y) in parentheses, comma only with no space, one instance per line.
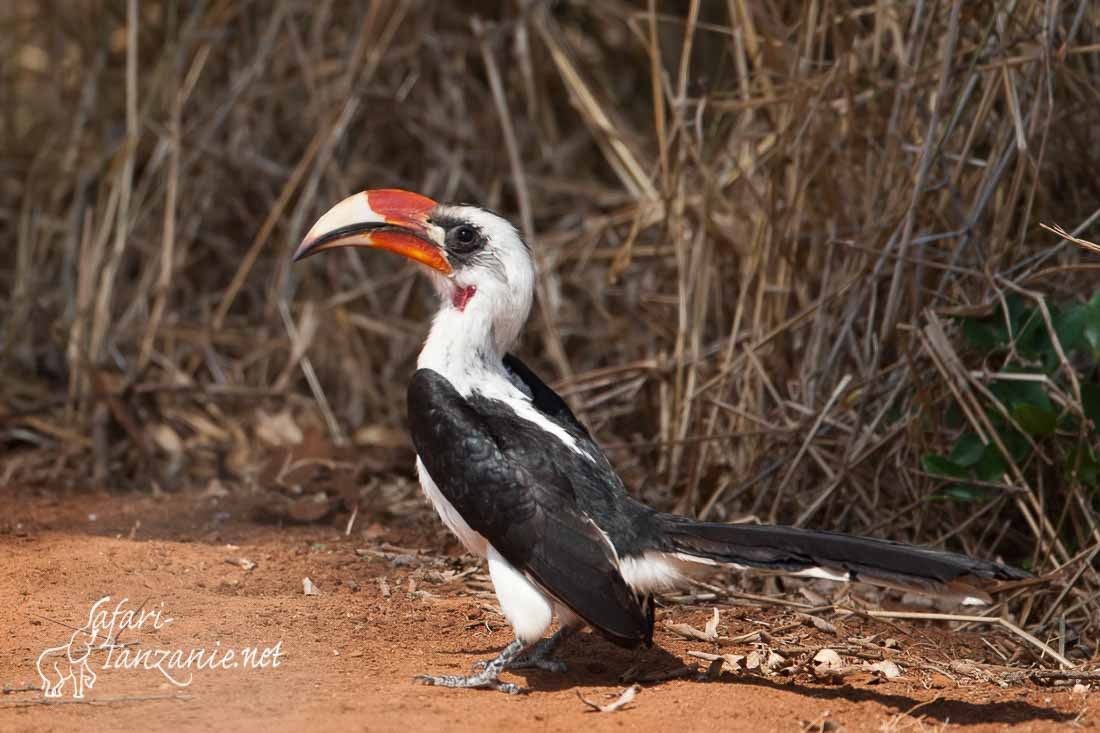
(464,238)
(465,235)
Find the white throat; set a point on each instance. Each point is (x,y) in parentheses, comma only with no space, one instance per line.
(466,344)
(467,347)
(482,306)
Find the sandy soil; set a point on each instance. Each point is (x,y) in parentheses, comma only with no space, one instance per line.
(347,655)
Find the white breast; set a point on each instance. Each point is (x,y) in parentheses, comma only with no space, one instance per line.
(528,609)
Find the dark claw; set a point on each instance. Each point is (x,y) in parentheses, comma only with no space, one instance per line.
(510,688)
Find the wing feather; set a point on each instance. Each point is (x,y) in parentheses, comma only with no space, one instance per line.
(512,483)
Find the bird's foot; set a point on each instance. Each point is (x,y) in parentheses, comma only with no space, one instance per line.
(486,678)
(544,662)
(539,657)
(482,680)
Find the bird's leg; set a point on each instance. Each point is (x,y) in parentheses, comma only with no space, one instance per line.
(539,656)
(487,677)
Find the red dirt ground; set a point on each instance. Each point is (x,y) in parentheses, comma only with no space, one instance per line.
(348,655)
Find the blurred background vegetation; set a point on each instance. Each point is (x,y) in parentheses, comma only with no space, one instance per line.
(791,262)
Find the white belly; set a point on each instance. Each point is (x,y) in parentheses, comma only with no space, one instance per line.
(528,609)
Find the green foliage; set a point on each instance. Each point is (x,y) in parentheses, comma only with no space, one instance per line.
(1016,340)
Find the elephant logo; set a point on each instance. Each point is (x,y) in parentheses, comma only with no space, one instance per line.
(71,662)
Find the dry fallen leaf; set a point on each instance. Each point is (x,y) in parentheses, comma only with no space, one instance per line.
(767,661)
(690,632)
(733,662)
(278,429)
(167,439)
(624,699)
(774,662)
(967,668)
(382,436)
(828,662)
(885,668)
(309,588)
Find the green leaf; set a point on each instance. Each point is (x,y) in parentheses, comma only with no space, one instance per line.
(1017,445)
(1070,326)
(953,417)
(965,493)
(1014,392)
(1034,394)
(1090,399)
(1032,337)
(991,466)
(1006,391)
(1086,466)
(938,465)
(1092,326)
(1090,473)
(983,335)
(968,450)
(1018,311)
(1035,419)
(1092,338)
(1021,391)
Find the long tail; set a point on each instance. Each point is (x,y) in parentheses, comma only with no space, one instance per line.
(832,555)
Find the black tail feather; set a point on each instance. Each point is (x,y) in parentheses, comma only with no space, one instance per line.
(792,550)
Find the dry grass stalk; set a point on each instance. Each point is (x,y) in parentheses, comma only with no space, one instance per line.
(752,222)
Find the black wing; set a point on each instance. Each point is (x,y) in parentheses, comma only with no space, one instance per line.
(516,485)
(632,527)
(547,401)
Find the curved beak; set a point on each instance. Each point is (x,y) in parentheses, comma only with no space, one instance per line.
(384,218)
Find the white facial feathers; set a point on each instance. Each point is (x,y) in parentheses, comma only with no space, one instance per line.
(501,271)
(499,278)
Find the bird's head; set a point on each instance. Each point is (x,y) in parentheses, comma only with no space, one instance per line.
(477,261)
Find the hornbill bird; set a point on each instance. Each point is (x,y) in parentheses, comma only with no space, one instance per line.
(521,481)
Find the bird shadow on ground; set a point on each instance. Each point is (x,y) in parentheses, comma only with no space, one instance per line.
(594,662)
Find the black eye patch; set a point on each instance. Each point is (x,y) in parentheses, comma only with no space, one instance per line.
(464,239)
